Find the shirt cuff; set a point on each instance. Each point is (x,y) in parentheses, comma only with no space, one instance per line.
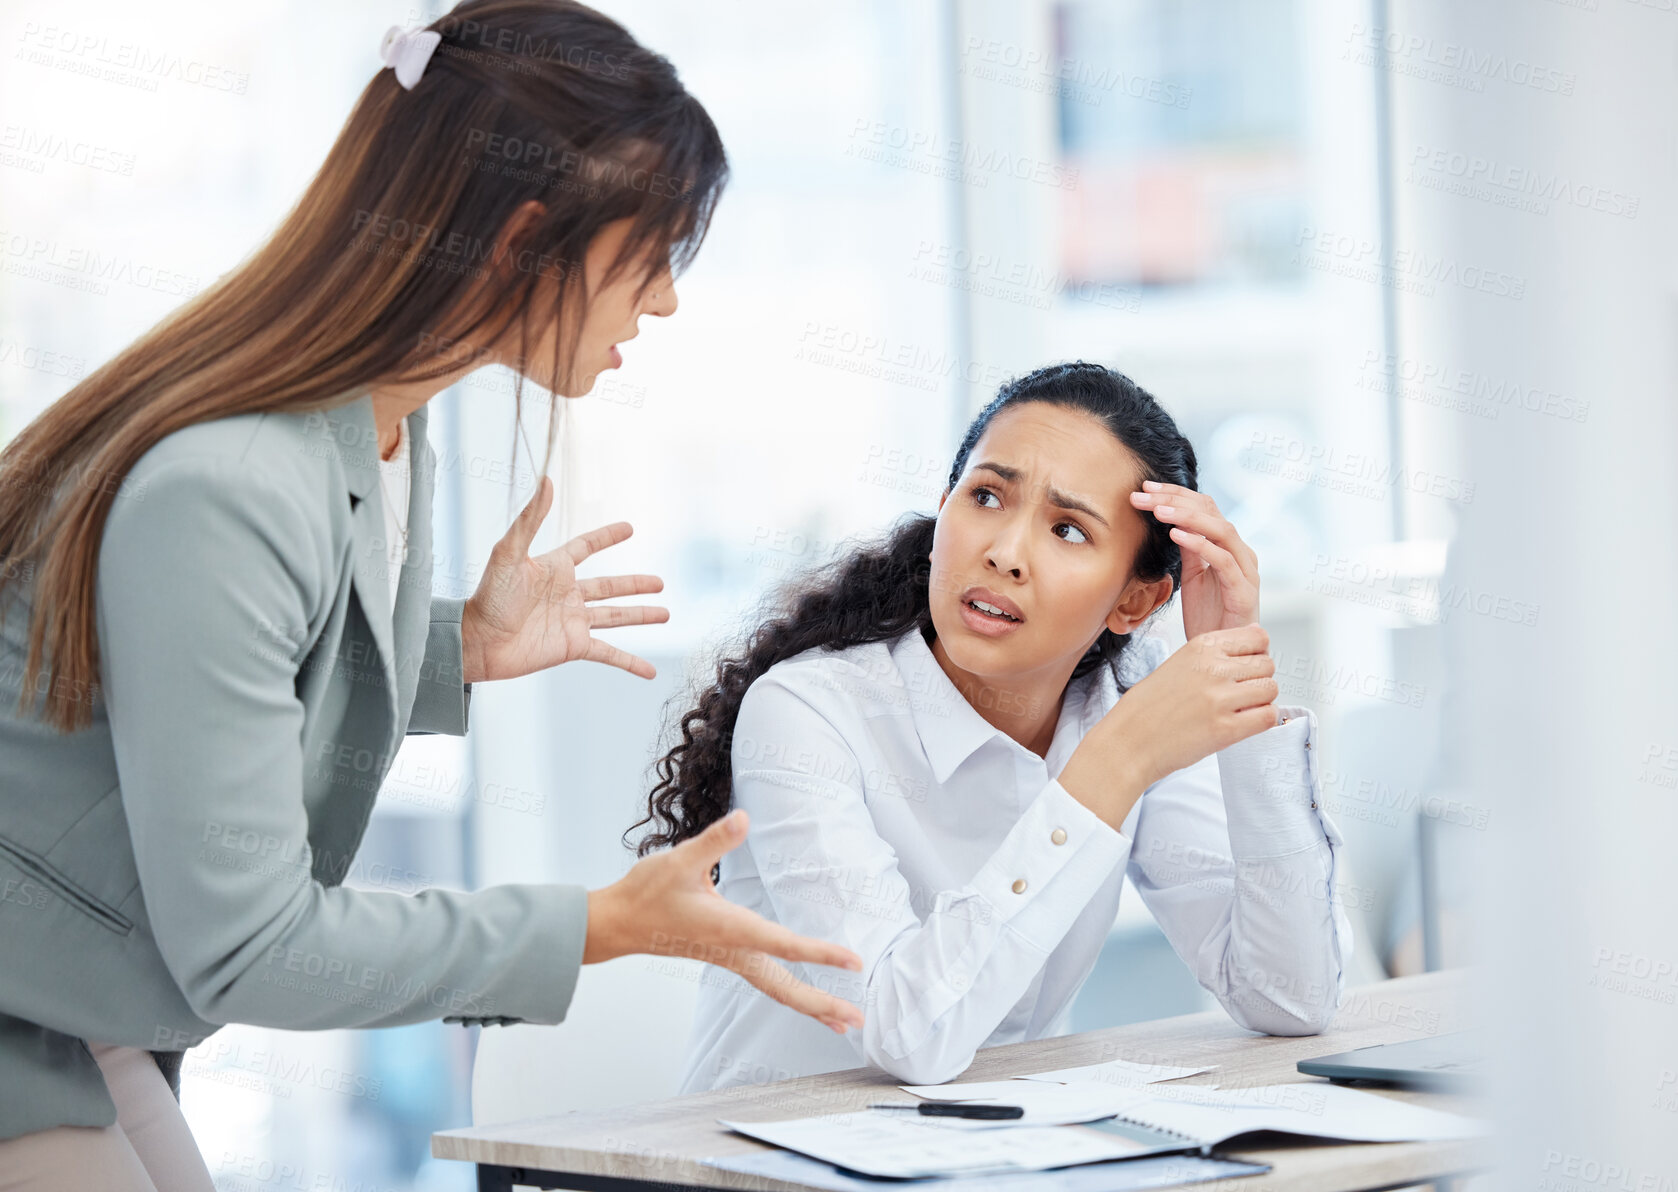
(1272,800)
(1055,830)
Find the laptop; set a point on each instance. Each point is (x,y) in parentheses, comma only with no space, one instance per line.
(1450,1063)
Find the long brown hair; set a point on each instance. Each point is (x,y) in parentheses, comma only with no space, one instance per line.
(393,255)
(880,590)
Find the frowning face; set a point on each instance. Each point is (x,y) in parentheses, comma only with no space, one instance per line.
(1033,552)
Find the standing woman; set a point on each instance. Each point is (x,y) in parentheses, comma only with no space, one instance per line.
(215,581)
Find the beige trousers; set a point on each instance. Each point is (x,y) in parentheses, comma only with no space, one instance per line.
(148,1149)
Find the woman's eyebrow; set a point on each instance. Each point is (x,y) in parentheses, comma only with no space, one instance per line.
(1002,470)
(1066,501)
(1056,498)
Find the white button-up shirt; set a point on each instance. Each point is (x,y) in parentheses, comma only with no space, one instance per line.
(887,815)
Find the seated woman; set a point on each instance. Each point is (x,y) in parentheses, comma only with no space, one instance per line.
(940,773)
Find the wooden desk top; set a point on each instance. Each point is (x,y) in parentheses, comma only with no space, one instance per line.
(663,1140)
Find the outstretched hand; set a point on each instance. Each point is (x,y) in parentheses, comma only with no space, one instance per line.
(529,614)
(666,905)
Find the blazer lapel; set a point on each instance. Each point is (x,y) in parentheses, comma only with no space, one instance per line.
(413,595)
(356,439)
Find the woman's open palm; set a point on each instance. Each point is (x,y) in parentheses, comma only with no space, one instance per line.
(529,614)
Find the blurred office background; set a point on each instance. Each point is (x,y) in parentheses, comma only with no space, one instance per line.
(1253,207)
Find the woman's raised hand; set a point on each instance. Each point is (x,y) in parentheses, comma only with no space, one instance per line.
(1220,584)
(1214,691)
(532,613)
(666,906)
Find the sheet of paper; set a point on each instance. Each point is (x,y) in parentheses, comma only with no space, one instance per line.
(901,1145)
(1132,1175)
(1119,1072)
(999,1092)
(1044,1104)
(1313,1109)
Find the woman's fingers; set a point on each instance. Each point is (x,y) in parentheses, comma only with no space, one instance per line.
(1196,518)
(1217,532)
(1198,513)
(584,545)
(610,616)
(738,927)
(1243,639)
(706,849)
(773,979)
(516,541)
(746,943)
(1168,493)
(1255,693)
(1226,565)
(1246,666)
(605,587)
(1256,719)
(741,928)
(599,651)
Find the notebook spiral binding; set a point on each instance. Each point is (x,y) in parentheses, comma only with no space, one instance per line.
(1188,1140)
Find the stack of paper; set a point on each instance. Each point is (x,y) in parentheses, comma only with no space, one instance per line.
(904,1146)
(1139,1118)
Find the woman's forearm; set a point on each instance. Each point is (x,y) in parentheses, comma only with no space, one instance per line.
(1239,865)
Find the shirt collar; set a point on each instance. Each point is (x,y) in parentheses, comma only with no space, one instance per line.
(951,729)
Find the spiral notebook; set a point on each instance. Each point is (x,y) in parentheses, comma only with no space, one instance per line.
(1205,1116)
(1208,1117)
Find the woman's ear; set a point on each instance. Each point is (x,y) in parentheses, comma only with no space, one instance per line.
(1138,604)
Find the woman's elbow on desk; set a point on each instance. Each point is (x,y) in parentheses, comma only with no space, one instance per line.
(928,1059)
(1258,1011)
(920,1067)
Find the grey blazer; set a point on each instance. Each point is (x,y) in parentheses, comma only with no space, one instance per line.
(177,865)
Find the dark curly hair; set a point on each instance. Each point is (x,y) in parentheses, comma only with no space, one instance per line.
(878,591)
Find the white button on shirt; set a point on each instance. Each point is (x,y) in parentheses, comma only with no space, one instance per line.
(394,479)
(888,816)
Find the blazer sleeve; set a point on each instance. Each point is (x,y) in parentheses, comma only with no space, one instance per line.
(443,698)
(209,578)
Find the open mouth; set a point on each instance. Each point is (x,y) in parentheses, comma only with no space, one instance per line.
(990,610)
